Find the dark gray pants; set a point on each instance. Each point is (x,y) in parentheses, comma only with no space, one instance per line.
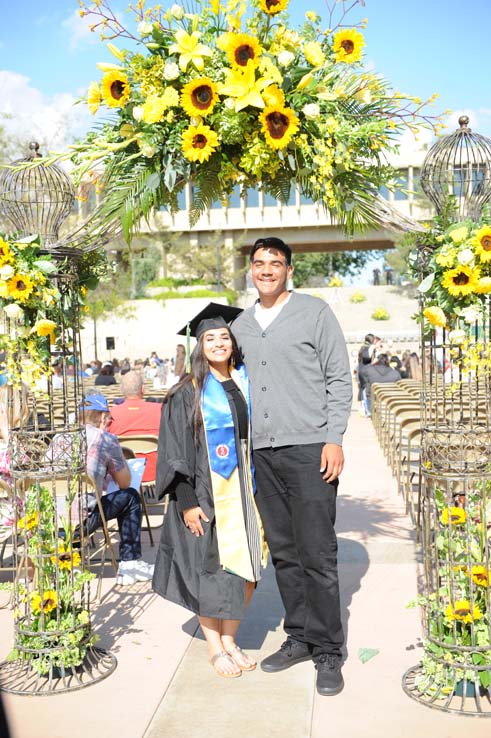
(298,510)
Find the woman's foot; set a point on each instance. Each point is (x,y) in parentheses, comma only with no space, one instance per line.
(225,666)
(241,658)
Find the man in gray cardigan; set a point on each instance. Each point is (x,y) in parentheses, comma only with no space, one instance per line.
(301,388)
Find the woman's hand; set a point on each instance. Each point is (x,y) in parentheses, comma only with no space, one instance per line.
(192,520)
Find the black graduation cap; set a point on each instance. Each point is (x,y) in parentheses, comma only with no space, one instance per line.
(214,315)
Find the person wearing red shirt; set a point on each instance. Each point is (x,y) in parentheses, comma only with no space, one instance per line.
(135,417)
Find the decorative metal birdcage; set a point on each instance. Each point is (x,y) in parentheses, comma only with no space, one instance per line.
(53,642)
(455,506)
(457,168)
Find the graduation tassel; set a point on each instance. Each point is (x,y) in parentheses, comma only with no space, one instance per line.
(188,348)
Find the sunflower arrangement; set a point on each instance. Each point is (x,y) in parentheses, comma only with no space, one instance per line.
(32,306)
(52,619)
(221,94)
(456,275)
(458,610)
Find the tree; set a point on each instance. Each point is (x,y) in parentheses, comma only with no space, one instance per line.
(211,262)
(310,267)
(109,297)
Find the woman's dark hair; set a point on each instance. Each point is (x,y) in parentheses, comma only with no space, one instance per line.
(107,371)
(200,369)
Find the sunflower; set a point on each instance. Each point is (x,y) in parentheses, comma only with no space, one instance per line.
(115,89)
(240,48)
(461,281)
(66,559)
(28,522)
(94,97)
(199,96)
(272,7)
(47,603)
(435,316)
(20,287)
(279,125)
(199,142)
(483,286)
(454,516)
(463,611)
(347,45)
(482,243)
(481,575)
(6,255)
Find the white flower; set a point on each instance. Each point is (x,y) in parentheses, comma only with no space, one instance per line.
(147,150)
(145,28)
(177,11)
(457,337)
(138,112)
(6,272)
(311,110)
(285,58)
(466,256)
(171,71)
(470,314)
(13,311)
(229,103)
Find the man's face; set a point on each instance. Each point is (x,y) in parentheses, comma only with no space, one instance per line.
(270,272)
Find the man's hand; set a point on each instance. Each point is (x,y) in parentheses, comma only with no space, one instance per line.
(192,519)
(332,461)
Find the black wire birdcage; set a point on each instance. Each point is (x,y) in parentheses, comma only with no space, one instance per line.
(53,642)
(457,172)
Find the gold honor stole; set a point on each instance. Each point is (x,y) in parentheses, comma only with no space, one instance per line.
(219,428)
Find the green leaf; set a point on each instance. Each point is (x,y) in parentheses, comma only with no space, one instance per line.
(426,283)
(28,239)
(47,267)
(365,654)
(153,181)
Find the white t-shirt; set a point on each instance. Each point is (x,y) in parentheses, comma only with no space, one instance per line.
(265,316)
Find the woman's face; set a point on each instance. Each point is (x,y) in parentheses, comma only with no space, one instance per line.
(217,346)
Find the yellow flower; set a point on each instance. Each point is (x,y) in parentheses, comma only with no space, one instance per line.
(335,281)
(483,286)
(153,109)
(240,48)
(6,255)
(215,6)
(463,611)
(20,287)
(115,89)
(463,280)
(279,125)
(66,559)
(454,516)
(242,84)
(170,96)
(435,316)
(446,257)
(28,522)
(272,7)
(190,50)
(481,575)
(458,235)
(314,54)
(47,603)
(94,97)
(274,95)
(482,243)
(199,96)
(45,327)
(305,81)
(199,142)
(347,45)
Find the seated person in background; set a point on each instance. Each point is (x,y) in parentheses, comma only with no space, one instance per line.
(105,460)
(106,376)
(134,416)
(378,371)
(18,413)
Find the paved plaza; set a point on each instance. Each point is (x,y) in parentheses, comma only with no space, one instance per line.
(163,686)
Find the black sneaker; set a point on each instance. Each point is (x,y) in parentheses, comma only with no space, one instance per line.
(291,652)
(329,678)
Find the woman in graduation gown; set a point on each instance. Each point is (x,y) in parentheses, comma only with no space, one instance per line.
(212,544)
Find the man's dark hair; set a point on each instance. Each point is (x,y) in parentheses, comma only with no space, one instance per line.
(272,243)
(382,359)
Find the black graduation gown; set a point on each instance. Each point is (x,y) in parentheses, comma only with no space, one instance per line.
(187,567)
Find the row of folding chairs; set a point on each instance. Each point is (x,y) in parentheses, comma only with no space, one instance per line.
(396,417)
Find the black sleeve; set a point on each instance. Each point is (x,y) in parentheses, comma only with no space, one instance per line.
(184,491)
(176,451)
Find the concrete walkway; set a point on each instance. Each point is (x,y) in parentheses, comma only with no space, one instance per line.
(163,686)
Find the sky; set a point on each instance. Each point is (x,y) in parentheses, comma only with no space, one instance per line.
(48,58)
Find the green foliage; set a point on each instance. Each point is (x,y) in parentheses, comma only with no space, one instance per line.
(307,267)
(174,295)
(171,283)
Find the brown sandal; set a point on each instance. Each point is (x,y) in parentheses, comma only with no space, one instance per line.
(224,655)
(242,659)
